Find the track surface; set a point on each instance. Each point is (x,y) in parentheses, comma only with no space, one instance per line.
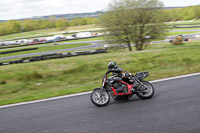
(175,108)
(95,44)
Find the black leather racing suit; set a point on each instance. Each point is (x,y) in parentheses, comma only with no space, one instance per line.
(118,71)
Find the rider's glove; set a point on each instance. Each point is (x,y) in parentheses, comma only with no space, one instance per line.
(127,74)
(107,72)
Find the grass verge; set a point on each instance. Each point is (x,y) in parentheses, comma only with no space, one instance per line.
(38,80)
(181,33)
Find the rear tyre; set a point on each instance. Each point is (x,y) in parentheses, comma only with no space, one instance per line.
(148,91)
(98,99)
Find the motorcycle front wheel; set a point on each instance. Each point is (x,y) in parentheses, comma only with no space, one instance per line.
(99,99)
(147,92)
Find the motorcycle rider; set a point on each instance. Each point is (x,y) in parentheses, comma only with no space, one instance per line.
(118,71)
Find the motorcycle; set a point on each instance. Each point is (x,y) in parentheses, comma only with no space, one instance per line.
(120,88)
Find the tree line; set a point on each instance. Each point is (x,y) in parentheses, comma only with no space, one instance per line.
(188,13)
(16,26)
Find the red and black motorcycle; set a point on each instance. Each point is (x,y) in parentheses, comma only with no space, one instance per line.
(120,88)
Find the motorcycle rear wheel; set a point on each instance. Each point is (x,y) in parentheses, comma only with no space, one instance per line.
(99,100)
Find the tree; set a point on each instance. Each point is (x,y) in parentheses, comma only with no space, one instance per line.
(14,26)
(83,21)
(196,10)
(61,23)
(74,22)
(133,21)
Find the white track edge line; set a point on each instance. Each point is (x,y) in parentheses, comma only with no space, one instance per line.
(177,77)
(83,93)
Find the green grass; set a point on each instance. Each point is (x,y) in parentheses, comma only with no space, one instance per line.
(19,82)
(174,29)
(45,48)
(182,33)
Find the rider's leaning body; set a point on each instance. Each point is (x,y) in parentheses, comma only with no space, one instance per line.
(118,71)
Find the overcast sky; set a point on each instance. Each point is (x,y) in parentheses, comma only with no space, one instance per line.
(15,9)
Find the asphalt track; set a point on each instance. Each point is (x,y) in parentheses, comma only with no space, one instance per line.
(95,44)
(192,36)
(175,108)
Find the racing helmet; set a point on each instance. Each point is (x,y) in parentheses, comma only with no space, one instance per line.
(112,65)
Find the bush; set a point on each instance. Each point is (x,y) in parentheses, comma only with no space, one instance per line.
(2,82)
(33,76)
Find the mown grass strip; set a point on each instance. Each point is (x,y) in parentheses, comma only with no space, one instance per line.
(181,33)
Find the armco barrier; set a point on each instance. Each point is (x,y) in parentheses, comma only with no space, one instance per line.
(53,56)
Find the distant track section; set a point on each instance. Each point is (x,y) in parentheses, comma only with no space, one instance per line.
(52,56)
(19,50)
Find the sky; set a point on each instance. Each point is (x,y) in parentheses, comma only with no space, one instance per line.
(16,9)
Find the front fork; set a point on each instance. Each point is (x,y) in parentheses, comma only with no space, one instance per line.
(101,93)
(138,85)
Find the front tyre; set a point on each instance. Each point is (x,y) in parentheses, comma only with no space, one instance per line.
(99,99)
(147,92)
